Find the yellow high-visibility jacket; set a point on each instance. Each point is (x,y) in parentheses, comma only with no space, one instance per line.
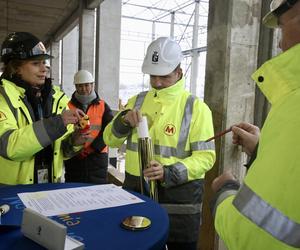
(265,213)
(21,138)
(179,124)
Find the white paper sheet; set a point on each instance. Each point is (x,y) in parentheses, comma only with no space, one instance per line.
(79,199)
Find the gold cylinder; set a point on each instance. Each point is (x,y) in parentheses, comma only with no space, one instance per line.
(145,150)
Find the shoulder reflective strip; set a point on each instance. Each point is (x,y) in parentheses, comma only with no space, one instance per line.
(12,109)
(201,145)
(180,173)
(182,208)
(95,127)
(140,99)
(222,197)
(267,217)
(4,142)
(41,133)
(185,124)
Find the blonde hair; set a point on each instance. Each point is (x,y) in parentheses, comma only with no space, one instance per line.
(10,69)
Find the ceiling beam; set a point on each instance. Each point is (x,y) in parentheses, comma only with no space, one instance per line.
(68,24)
(92,4)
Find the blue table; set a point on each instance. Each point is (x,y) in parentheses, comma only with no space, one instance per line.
(97,229)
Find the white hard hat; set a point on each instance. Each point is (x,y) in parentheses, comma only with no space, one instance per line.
(162,57)
(83,76)
(277,7)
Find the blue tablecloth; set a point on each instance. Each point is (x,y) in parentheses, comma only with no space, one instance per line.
(97,229)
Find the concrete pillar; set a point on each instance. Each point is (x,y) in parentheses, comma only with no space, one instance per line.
(108,51)
(172,24)
(87,40)
(232,46)
(55,63)
(264,53)
(69,60)
(194,85)
(153,34)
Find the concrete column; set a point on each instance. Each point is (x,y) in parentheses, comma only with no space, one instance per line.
(264,53)
(108,51)
(87,40)
(69,60)
(153,30)
(194,85)
(232,46)
(172,24)
(55,63)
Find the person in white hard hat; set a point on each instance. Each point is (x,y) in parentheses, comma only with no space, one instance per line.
(263,212)
(179,124)
(90,165)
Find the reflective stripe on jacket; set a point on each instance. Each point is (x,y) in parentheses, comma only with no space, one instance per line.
(21,138)
(179,124)
(265,212)
(95,113)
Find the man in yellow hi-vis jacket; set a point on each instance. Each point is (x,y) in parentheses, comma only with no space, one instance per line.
(179,124)
(264,212)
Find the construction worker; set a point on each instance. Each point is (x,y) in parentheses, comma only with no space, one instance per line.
(35,125)
(179,123)
(90,165)
(263,213)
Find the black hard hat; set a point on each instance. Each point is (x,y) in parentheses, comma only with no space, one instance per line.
(22,45)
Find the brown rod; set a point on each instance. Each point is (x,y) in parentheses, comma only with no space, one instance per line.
(219,134)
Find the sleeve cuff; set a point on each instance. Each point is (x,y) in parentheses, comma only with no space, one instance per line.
(229,188)
(120,128)
(55,127)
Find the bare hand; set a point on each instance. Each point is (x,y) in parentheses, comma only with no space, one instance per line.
(71,116)
(79,138)
(155,171)
(246,135)
(133,117)
(221,180)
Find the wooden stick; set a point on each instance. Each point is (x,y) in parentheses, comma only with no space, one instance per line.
(219,134)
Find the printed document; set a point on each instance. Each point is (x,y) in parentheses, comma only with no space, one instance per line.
(79,199)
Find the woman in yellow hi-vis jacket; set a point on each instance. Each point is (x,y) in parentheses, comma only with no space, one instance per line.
(179,124)
(34,131)
(263,213)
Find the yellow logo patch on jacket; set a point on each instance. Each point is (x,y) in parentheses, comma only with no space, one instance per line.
(170,129)
(2,117)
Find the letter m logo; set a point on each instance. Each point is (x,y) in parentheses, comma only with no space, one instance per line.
(169,129)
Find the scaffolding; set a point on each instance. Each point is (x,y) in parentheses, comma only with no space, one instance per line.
(183,20)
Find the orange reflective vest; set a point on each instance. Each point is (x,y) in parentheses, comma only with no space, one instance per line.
(95,113)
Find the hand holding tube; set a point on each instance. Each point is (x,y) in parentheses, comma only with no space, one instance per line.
(155,171)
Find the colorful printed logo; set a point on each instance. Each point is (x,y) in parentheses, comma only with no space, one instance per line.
(169,129)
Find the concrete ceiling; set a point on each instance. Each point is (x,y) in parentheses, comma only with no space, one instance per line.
(43,18)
